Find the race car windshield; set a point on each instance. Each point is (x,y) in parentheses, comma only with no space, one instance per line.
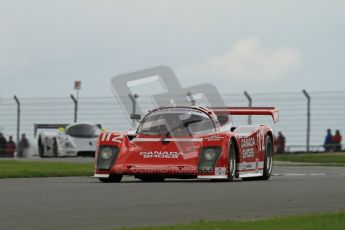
(83,130)
(179,122)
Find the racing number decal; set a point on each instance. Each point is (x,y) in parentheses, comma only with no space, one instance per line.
(116,138)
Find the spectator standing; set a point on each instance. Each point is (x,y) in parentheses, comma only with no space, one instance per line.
(328,144)
(10,147)
(23,146)
(3,144)
(280,143)
(336,140)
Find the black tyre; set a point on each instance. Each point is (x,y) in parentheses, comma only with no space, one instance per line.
(268,158)
(151,178)
(113,178)
(232,162)
(55,148)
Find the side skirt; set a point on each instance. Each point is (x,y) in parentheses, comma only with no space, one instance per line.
(250,174)
(212,177)
(250,169)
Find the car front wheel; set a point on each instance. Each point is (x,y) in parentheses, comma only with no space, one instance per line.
(113,178)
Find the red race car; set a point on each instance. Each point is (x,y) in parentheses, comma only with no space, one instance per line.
(188,142)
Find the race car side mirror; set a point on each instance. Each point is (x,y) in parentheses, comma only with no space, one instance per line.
(222,118)
(135,116)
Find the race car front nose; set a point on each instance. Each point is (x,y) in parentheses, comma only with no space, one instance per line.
(106,157)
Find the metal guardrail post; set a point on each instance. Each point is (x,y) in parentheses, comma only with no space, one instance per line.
(249,105)
(133,98)
(308,117)
(75,101)
(18,116)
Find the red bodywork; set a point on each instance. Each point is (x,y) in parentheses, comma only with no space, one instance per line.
(179,157)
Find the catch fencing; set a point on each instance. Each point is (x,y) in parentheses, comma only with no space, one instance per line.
(327,110)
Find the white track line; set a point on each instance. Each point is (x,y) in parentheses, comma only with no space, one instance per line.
(295,174)
(317,174)
(309,174)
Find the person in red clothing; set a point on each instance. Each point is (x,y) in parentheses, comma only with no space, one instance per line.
(10,147)
(280,143)
(336,141)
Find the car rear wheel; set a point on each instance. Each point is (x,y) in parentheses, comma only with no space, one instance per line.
(268,160)
(113,178)
(232,162)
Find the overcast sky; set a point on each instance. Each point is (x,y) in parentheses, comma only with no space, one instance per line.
(259,46)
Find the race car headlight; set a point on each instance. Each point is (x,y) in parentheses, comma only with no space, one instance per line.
(69,144)
(208,158)
(210,154)
(106,153)
(106,157)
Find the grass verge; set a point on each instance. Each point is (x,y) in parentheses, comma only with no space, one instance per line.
(336,159)
(25,169)
(324,221)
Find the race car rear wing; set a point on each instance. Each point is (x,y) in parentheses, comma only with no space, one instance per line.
(48,126)
(268,111)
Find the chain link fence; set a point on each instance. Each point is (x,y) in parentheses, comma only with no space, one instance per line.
(327,111)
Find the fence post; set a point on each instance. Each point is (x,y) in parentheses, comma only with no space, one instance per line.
(75,101)
(308,117)
(18,116)
(133,98)
(249,105)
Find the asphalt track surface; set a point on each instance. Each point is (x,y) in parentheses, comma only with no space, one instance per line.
(85,203)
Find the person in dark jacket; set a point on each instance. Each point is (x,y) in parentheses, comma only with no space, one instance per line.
(3,143)
(23,146)
(10,147)
(328,144)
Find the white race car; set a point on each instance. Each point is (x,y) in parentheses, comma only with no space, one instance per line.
(67,140)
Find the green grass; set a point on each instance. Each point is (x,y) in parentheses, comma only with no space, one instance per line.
(322,158)
(324,221)
(24,169)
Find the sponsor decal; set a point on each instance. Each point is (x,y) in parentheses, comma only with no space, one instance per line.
(161,154)
(247,145)
(247,142)
(220,171)
(213,138)
(251,166)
